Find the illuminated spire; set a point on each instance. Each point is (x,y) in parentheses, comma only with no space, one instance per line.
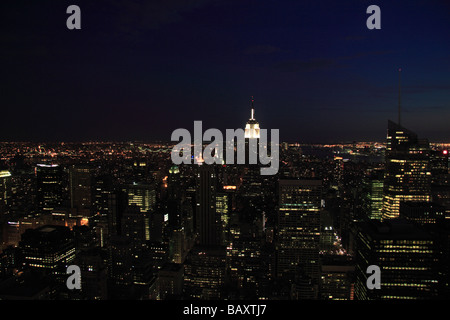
(253,109)
(252,126)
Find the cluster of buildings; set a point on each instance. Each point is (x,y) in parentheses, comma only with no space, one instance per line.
(140,227)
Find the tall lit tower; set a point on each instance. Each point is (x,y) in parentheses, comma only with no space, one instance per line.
(407,175)
(252,126)
(407,169)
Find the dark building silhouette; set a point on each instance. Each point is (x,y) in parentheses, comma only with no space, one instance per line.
(120,268)
(204,273)
(246,261)
(422,213)
(208,220)
(336,278)
(49,249)
(170,279)
(94,276)
(80,185)
(48,186)
(406,255)
(298,239)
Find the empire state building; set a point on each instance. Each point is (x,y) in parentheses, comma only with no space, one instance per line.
(252,126)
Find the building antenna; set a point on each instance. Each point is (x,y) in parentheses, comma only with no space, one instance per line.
(399,95)
(253,109)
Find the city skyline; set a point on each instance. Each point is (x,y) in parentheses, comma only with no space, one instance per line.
(225,155)
(137,226)
(136,71)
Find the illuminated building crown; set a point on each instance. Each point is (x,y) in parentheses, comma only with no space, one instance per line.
(252,126)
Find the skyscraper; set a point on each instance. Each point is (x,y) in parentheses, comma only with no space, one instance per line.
(80,184)
(48,186)
(336,281)
(422,213)
(407,173)
(252,135)
(245,263)
(208,220)
(299,228)
(252,126)
(5,190)
(48,248)
(406,256)
(373,195)
(142,195)
(204,273)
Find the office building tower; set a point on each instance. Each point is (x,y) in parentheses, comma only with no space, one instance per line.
(299,228)
(173,197)
(142,195)
(103,186)
(171,281)
(245,260)
(158,254)
(135,225)
(407,173)
(120,267)
(116,205)
(433,218)
(373,188)
(178,246)
(49,249)
(48,186)
(439,163)
(136,228)
(336,277)
(208,220)
(223,209)
(422,213)
(338,174)
(81,185)
(440,188)
(5,191)
(406,256)
(94,276)
(204,273)
(174,187)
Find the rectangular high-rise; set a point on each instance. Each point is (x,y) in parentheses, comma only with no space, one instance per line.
(373,195)
(80,184)
(204,273)
(142,195)
(48,248)
(406,255)
(5,190)
(207,219)
(407,173)
(299,228)
(48,186)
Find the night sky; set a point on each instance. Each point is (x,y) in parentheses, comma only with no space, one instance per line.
(137,70)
